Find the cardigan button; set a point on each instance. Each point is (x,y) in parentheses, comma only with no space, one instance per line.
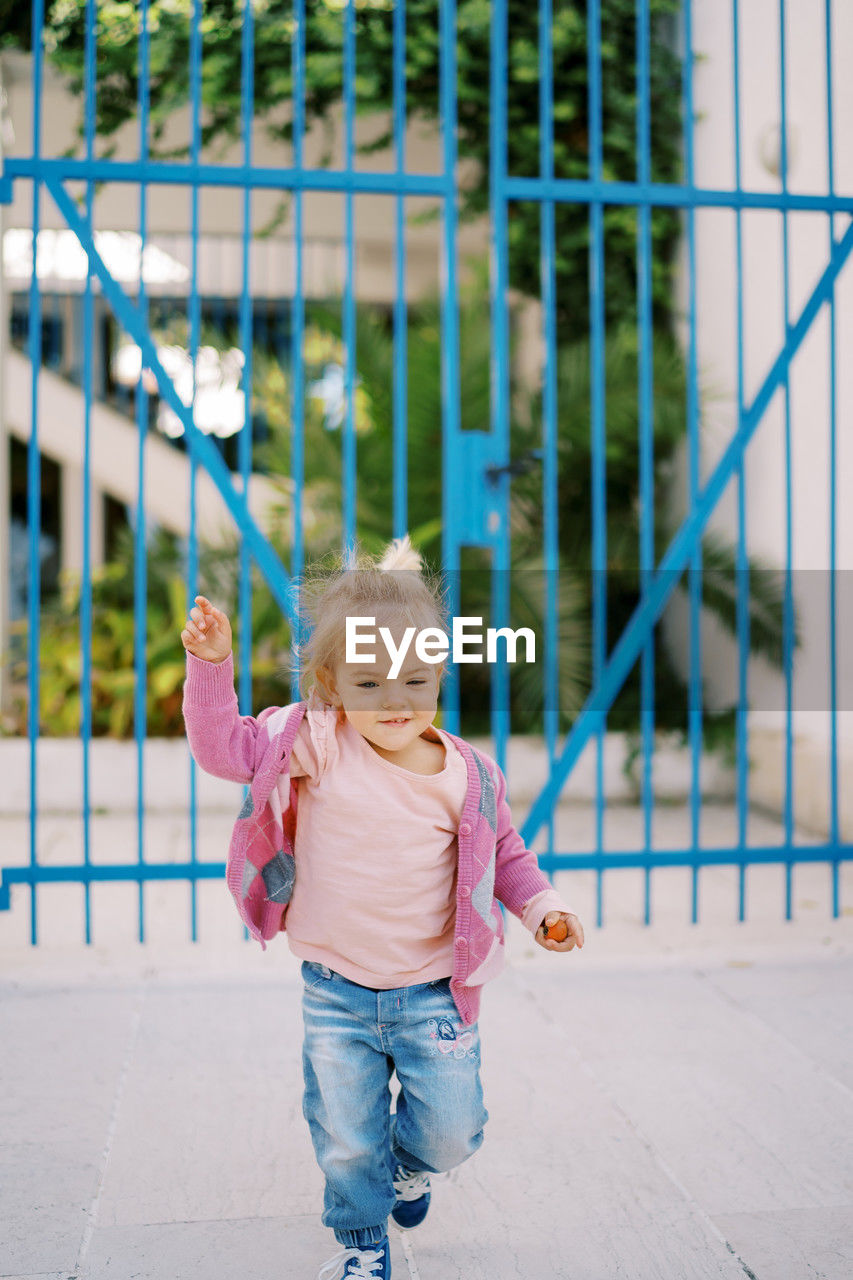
(462,943)
(464,891)
(465,829)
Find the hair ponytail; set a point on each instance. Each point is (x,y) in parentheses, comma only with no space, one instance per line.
(400,554)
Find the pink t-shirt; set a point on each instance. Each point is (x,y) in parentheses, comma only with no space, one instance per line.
(374,896)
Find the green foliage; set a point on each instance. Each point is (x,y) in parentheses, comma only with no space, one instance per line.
(113,678)
(15,24)
(374,418)
(118,31)
(623,514)
(374,491)
(117,58)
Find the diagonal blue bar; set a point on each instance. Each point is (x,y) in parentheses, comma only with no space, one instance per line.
(202,449)
(680,549)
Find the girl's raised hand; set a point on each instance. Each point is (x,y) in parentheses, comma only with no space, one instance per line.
(207,633)
(560,931)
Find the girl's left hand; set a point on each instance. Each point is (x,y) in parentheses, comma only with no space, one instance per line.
(573,938)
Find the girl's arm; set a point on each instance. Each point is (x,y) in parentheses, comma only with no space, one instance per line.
(222,742)
(518,878)
(520,884)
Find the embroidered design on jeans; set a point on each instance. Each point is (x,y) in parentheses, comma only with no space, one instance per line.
(450,1041)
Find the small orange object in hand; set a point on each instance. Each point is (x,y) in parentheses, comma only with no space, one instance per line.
(558,931)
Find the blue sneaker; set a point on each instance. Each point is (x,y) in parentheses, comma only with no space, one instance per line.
(412,1188)
(370,1262)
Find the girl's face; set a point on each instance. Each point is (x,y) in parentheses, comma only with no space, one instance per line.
(390,714)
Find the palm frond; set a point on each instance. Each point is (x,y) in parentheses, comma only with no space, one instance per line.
(763,587)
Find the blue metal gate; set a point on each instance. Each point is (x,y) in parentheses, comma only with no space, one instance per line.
(476,464)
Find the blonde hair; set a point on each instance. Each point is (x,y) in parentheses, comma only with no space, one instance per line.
(358,585)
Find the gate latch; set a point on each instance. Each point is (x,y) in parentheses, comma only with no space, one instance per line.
(480,509)
(517,467)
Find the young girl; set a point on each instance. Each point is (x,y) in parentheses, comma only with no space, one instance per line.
(388,884)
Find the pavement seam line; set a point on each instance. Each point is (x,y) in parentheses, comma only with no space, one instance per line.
(94,1207)
(408,1254)
(689,1199)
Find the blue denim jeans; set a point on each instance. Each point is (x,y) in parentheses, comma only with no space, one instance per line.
(355,1038)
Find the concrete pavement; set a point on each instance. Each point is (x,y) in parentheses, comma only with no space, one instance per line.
(674,1102)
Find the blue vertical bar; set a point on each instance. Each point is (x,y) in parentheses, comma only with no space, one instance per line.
(86,582)
(194,324)
(297,435)
(833,493)
(34,476)
(400,483)
(550,528)
(140,577)
(244,442)
(451,488)
(694,697)
(646,429)
(349,451)
(499,357)
(787,617)
(597,423)
(742,560)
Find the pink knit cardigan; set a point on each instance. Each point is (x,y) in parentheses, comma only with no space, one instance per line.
(494,865)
